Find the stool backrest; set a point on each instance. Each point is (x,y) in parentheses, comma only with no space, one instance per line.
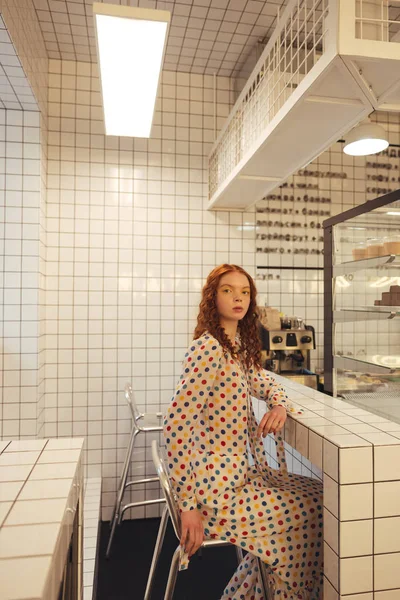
(162,472)
(130,398)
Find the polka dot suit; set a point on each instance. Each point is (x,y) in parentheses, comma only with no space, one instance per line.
(274,515)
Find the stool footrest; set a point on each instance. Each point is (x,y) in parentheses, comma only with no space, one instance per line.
(147,480)
(215,542)
(140,503)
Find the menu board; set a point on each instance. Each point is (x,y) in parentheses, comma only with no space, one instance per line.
(289,221)
(382,173)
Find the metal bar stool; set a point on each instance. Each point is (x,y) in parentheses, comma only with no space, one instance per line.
(171,509)
(141,422)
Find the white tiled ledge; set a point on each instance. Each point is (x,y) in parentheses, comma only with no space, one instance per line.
(336,420)
(91,520)
(40,485)
(358,456)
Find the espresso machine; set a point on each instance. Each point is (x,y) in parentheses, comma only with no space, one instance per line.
(286,351)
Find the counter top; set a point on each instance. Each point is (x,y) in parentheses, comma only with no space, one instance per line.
(338,421)
(40,485)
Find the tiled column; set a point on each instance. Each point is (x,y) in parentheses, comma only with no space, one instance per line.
(20,189)
(361,522)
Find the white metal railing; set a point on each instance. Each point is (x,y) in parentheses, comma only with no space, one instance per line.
(378,20)
(297,43)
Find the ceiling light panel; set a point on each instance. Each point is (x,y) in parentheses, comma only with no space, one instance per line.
(131,45)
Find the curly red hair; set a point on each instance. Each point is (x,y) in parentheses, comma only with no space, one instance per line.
(208,318)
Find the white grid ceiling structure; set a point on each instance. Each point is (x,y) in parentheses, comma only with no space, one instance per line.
(381,18)
(293,50)
(298,42)
(206,36)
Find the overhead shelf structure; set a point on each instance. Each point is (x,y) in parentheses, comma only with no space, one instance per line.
(327,66)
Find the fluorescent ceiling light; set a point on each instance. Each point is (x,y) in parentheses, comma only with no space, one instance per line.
(392,212)
(365,139)
(130,48)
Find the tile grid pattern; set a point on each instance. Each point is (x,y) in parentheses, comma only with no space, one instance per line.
(120,239)
(206,36)
(15,91)
(42,280)
(91,520)
(357,459)
(24,30)
(20,219)
(24,158)
(145,173)
(41,483)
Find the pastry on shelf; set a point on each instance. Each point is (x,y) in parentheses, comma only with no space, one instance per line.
(390,298)
(391,244)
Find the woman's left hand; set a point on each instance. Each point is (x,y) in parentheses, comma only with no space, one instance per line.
(272,421)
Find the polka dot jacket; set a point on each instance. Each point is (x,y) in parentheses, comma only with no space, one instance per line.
(208,428)
(208,416)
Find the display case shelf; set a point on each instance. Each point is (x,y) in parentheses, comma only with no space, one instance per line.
(378,262)
(361,337)
(366,313)
(375,364)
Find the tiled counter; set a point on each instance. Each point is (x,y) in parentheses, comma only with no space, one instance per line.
(357,455)
(40,495)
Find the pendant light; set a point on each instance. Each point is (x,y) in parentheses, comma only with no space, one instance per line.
(130,48)
(365,139)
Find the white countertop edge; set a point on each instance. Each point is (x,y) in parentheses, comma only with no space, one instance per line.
(309,401)
(50,573)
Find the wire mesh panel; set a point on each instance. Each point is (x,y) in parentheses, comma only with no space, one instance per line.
(296,45)
(378,20)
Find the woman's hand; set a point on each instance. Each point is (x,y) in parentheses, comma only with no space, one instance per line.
(192,531)
(272,421)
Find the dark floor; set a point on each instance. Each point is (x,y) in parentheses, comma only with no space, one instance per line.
(124,575)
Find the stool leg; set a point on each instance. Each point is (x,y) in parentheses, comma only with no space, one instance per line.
(125,470)
(239,554)
(121,490)
(264,579)
(173,572)
(156,553)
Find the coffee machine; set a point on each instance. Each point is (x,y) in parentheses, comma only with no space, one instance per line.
(286,351)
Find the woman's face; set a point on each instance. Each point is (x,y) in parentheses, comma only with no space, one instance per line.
(233,296)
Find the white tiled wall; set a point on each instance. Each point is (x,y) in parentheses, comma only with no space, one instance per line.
(23,156)
(125,248)
(129,243)
(20,202)
(119,262)
(42,279)
(91,535)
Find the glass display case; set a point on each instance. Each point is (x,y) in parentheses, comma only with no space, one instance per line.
(362,305)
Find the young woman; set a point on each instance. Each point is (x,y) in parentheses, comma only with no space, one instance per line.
(208,428)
